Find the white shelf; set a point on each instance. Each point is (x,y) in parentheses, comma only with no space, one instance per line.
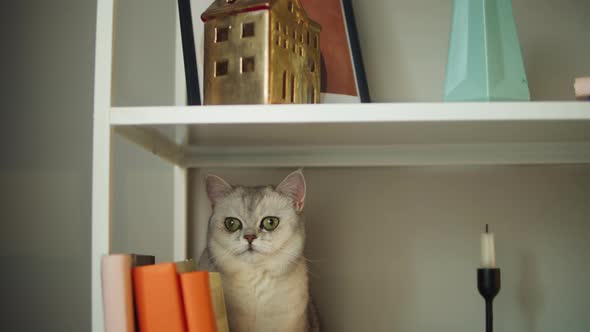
(363,134)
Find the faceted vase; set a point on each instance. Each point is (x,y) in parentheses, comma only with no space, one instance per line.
(485,58)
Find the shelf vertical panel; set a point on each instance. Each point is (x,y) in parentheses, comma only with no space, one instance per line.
(180,213)
(101,153)
(180,190)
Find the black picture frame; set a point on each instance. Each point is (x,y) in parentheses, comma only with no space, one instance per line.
(189,53)
(356,54)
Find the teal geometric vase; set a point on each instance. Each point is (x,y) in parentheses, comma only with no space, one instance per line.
(485,58)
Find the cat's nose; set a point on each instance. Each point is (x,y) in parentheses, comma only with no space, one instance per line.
(250,237)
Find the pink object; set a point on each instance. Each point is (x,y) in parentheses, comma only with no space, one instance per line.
(582,87)
(117,293)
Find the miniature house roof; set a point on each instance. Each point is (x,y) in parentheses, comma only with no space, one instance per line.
(232,7)
(225,7)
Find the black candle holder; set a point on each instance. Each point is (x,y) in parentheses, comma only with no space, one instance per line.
(488,284)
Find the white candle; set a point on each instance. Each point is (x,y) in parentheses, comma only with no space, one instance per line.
(488,254)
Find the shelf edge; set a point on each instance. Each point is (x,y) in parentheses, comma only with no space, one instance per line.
(351,113)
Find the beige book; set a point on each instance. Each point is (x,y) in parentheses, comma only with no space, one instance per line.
(117,295)
(117,290)
(582,87)
(218,301)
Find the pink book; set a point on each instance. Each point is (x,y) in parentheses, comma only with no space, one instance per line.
(582,88)
(117,290)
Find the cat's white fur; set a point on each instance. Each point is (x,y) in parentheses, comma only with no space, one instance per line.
(266,288)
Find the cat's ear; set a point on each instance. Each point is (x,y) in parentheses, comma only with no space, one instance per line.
(293,186)
(217,188)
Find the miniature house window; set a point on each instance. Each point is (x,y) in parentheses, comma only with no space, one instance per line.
(312,66)
(292,88)
(285,43)
(248,30)
(300,50)
(307,38)
(291,6)
(285,85)
(316,42)
(278,40)
(221,68)
(301,38)
(221,34)
(294,48)
(248,64)
(295,34)
(278,26)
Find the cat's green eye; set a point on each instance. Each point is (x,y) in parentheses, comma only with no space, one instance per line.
(270,223)
(232,224)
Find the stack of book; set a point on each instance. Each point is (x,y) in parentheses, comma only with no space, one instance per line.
(582,88)
(139,295)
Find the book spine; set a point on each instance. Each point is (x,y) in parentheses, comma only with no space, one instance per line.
(218,301)
(117,293)
(582,88)
(158,298)
(198,306)
(136,261)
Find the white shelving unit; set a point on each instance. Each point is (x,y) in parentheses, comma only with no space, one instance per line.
(317,135)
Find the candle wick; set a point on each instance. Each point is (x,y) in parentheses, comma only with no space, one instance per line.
(486,228)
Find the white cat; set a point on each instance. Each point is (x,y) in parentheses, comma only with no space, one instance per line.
(256,239)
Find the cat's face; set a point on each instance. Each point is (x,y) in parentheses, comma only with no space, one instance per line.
(256,226)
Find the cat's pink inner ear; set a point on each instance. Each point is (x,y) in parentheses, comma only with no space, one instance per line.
(293,186)
(217,188)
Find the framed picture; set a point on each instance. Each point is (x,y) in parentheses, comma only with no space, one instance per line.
(343,73)
(343,77)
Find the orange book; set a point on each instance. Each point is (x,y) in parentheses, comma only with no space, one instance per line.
(158,298)
(198,305)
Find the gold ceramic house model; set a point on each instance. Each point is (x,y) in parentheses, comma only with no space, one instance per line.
(260,52)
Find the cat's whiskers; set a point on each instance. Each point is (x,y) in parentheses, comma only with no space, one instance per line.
(225,253)
(265,249)
(292,256)
(297,256)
